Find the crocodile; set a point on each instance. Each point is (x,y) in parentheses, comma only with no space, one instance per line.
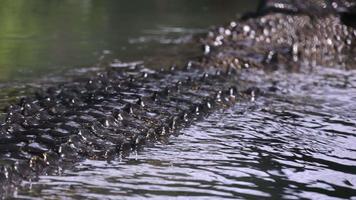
(118,110)
(289,34)
(105,116)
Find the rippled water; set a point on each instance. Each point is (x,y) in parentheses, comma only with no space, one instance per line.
(295,141)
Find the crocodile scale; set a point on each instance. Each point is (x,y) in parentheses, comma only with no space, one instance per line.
(105,116)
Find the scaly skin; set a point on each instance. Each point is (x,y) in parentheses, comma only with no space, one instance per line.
(272,38)
(104,117)
(310,7)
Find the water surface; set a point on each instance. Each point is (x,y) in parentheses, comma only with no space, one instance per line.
(296,140)
(42,37)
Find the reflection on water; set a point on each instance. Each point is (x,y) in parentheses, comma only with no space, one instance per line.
(41,37)
(296,141)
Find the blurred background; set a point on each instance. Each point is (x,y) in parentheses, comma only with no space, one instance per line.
(41,37)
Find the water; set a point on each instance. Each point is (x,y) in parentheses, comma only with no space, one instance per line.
(296,140)
(40,38)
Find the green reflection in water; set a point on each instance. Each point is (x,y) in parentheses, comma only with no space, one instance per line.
(44,36)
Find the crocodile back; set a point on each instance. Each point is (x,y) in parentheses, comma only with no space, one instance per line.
(313,7)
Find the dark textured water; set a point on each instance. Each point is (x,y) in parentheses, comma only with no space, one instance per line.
(295,140)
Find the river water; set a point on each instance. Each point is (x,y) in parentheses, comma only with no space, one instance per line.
(295,140)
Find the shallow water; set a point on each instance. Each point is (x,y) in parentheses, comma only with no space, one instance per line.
(296,140)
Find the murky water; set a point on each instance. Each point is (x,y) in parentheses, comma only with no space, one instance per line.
(296,140)
(38,38)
